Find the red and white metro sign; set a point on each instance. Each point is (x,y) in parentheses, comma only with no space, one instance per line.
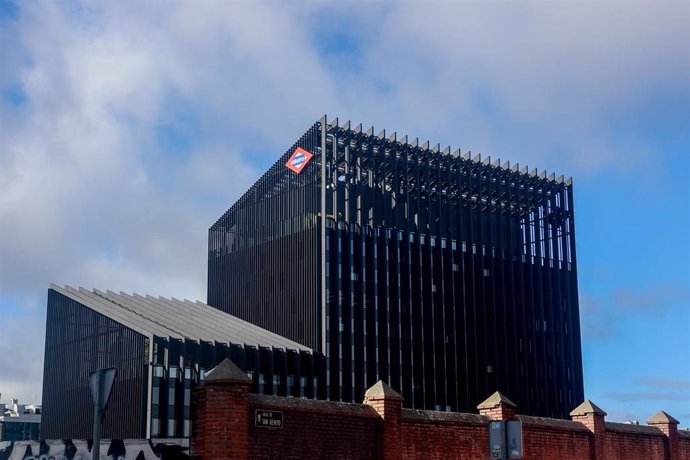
(299,160)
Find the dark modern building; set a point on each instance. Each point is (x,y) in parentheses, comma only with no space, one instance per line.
(356,257)
(444,274)
(161,348)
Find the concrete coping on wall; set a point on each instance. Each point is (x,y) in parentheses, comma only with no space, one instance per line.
(684,434)
(311,405)
(227,372)
(662,418)
(381,390)
(551,423)
(497,399)
(628,428)
(430,416)
(586,408)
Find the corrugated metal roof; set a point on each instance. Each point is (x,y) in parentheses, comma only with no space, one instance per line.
(175,318)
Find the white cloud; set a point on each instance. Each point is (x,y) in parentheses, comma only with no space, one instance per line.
(91,196)
(550,84)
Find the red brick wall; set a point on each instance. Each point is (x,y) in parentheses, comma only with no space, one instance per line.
(220,422)
(558,439)
(314,429)
(684,445)
(223,428)
(624,442)
(436,435)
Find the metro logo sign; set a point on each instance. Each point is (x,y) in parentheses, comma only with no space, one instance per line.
(299,160)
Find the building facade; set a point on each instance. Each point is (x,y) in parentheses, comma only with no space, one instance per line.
(444,274)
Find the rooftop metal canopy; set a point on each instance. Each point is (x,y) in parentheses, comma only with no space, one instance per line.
(175,318)
(409,154)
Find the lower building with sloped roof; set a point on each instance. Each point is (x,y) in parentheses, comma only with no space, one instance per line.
(162,349)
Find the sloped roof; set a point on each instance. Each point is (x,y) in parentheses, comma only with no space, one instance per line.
(175,318)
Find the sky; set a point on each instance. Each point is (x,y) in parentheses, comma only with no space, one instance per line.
(128,128)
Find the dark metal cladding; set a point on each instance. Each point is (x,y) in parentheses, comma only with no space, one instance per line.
(263,251)
(174,396)
(447,277)
(79,341)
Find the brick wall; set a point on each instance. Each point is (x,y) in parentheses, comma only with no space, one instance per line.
(684,445)
(314,429)
(633,441)
(220,428)
(552,438)
(429,434)
(224,428)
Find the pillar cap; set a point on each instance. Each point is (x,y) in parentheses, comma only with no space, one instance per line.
(662,418)
(227,371)
(587,407)
(380,390)
(495,400)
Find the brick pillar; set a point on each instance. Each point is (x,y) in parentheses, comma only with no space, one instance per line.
(388,403)
(669,426)
(498,407)
(594,418)
(221,421)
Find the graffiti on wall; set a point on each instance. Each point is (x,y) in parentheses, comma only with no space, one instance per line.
(116,449)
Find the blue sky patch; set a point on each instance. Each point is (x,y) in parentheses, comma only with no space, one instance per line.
(8,10)
(15,95)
